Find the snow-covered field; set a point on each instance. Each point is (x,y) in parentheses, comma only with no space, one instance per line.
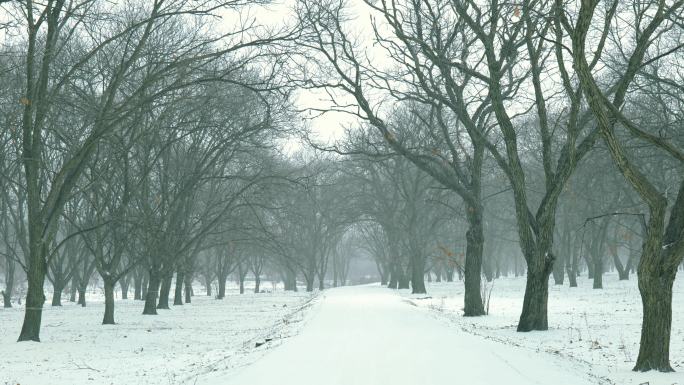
(173,347)
(591,331)
(600,328)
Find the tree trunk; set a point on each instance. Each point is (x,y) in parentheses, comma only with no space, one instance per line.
(558,271)
(572,266)
(151,297)
(403,279)
(137,283)
(450,274)
(221,287)
(534,312)
(309,282)
(257,283)
(35,297)
(188,288)
(418,275)
(290,280)
(73,289)
(58,288)
(6,299)
(656,297)
(145,284)
(82,296)
(623,273)
(178,290)
(572,277)
(473,264)
(164,292)
(124,283)
(207,284)
(598,272)
(590,268)
(108,318)
(394,277)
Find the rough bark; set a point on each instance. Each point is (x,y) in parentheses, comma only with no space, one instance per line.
(35,298)
(656,297)
(534,313)
(473,263)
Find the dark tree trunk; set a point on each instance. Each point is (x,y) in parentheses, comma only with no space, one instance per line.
(108,318)
(178,290)
(656,297)
(221,286)
(473,264)
(82,296)
(35,298)
(257,283)
(290,280)
(207,284)
(151,297)
(394,277)
(572,266)
(418,274)
(164,292)
(534,312)
(58,288)
(623,272)
(188,288)
(403,279)
(598,272)
(321,284)
(6,300)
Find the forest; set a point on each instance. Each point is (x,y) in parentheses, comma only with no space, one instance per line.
(154,153)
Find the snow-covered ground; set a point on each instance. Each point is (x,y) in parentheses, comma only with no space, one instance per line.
(173,347)
(600,328)
(369,335)
(357,335)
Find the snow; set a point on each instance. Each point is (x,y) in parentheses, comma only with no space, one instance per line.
(354,335)
(598,328)
(371,335)
(170,348)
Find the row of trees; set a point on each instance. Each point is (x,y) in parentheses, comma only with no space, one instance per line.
(512,82)
(143,140)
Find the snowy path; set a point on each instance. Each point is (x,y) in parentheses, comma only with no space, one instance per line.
(369,335)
